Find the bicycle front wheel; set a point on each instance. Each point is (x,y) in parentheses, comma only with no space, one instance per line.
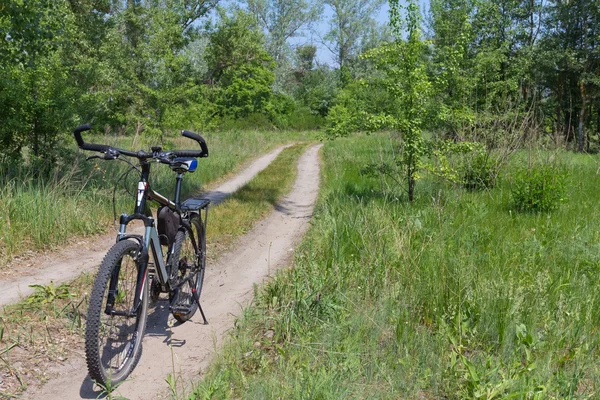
(115,328)
(189,259)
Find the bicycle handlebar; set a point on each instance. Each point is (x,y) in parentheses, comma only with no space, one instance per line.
(102,148)
(88,146)
(197,138)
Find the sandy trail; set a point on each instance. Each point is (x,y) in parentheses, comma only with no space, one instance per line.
(228,287)
(86,254)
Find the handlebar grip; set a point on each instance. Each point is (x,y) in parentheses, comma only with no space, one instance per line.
(102,148)
(199,139)
(88,146)
(190,153)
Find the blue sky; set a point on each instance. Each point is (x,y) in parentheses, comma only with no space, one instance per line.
(324,56)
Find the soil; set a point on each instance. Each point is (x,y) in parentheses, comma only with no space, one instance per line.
(185,350)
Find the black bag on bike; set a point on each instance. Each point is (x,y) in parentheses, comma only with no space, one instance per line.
(168,222)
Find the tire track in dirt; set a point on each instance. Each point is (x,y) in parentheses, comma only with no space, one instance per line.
(187,349)
(86,254)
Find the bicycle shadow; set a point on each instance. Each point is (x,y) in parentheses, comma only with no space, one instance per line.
(156,326)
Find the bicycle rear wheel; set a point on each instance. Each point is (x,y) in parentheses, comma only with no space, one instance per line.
(113,339)
(189,257)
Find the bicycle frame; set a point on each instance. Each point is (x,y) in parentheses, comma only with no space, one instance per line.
(150,241)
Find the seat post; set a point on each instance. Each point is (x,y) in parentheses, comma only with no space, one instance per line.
(179,180)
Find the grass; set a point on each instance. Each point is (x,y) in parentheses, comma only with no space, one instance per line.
(455,296)
(48,326)
(249,204)
(42,212)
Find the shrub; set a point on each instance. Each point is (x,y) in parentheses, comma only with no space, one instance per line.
(479,171)
(301,119)
(539,188)
(252,121)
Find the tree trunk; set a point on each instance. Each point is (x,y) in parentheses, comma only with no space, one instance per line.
(411,184)
(580,133)
(558,127)
(598,127)
(588,139)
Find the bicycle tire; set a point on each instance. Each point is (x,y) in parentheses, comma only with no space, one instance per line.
(113,343)
(190,266)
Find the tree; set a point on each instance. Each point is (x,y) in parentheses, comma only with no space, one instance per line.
(570,65)
(149,70)
(405,67)
(240,66)
(348,25)
(45,60)
(452,64)
(282,20)
(406,87)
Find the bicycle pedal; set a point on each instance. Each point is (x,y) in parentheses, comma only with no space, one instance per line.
(181,310)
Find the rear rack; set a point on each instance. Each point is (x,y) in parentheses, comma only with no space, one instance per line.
(194,204)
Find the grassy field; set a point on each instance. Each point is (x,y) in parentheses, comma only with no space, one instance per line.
(76,198)
(455,296)
(48,326)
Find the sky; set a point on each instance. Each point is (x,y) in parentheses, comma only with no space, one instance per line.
(324,56)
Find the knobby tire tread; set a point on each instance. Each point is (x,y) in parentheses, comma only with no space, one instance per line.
(93,354)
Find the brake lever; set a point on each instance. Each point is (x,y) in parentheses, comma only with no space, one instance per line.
(105,156)
(165,157)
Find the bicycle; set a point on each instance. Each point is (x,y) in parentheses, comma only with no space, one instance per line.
(118,306)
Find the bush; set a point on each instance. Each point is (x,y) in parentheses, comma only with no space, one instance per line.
(252,121)
(479,171)
(300,119)
(539,188)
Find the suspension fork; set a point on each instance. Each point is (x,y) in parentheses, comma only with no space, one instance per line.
(142,275)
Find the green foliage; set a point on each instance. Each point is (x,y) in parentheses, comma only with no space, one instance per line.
(466,163)
(36,85)
(347,29)
(245,90)
(316,89)
(539,188)
(406,82)
(451,108)
(282,20)
(479,171)
(450,297)
(49,293)
(240,66)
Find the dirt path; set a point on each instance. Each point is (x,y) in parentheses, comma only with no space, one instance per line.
(228,287)
(85,255)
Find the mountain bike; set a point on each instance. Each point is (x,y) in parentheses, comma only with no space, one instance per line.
(118,306)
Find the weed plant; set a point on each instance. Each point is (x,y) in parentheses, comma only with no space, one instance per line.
(455,296)
(538,188)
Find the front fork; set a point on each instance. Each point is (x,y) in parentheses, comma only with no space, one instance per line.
(113,289)
(141,261)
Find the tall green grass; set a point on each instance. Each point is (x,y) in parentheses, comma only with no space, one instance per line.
(454,296)
(39,211)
